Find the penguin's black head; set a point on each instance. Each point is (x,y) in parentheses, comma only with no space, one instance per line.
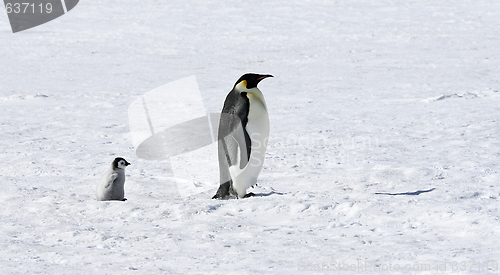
(120,163)
(251,80)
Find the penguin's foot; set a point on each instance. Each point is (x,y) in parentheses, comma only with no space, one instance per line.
(224,191)
(124,199)
(249,195)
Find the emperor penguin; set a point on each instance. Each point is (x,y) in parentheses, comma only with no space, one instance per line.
(242,137)
(111,185)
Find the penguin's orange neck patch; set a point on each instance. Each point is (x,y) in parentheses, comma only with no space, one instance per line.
(241,86)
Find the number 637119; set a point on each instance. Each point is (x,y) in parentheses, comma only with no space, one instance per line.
(28,8)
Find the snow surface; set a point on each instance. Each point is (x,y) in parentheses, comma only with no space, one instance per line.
(383,155)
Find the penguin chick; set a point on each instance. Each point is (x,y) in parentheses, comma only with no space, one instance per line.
(242,137)
(111,185)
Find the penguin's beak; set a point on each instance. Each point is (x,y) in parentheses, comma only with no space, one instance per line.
(127,164)
(264,76)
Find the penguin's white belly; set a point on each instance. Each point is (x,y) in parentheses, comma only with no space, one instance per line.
(258,130)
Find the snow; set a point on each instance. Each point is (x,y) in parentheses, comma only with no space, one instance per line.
(383,153)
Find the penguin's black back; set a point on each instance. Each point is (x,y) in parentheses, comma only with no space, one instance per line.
(236,104)
(234,112)
(234,118)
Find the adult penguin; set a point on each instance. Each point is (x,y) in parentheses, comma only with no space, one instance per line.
(242,137)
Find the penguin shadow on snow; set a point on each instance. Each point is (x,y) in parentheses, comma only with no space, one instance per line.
(250,195)
(268,194)
(416,193)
